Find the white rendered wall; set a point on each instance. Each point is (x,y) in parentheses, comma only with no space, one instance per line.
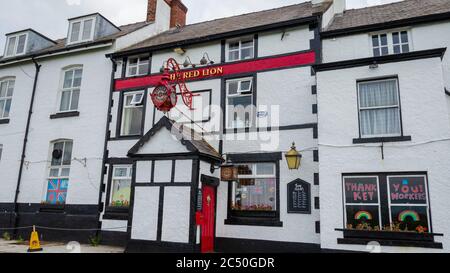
(295,39)
(425,119)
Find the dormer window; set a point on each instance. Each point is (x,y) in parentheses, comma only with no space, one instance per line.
(16,45)
(81,30)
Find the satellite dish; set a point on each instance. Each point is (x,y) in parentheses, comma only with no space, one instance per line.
(57,154)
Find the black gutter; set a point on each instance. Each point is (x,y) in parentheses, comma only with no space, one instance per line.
(447,92)
(24,148)
(415,55)
(385,25)
(105,147)
(219,36)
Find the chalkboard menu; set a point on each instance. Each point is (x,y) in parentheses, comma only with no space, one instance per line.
(299,197)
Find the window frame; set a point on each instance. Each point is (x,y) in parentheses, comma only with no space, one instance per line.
(8,81)
(129,176)
(59,177)
(358,97)
(16,45)
(138,64)
(121,108)
(262,218)
(70,89)
(390,41)
(239,93)
(80,34)
(384,199)
(239,50)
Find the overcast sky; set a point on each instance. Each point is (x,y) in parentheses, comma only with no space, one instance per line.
(50,16)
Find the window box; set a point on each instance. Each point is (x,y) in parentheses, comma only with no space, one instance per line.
(47,207)
(116,213)
(249,221)
(4,121)
(65,115)
(388,235)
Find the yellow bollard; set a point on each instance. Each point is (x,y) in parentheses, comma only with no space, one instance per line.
(35,245)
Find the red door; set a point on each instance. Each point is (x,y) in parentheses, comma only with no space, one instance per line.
(209,218)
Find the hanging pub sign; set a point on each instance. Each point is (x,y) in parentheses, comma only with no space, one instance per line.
(299,197)
(228,173)
(164,96)
(408,190)
(361,190)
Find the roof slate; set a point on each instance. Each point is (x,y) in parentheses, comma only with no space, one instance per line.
(388,13)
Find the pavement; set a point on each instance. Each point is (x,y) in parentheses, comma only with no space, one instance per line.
(52,247)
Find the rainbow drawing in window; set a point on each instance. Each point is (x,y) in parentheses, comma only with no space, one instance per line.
(363,215)
(402,217)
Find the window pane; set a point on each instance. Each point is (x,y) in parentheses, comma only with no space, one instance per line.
(404,35)
(408,190)
(2,107)
(75,32)
(247,53)
(120,172)
(383,39)
(11,45)
(233,55)
(361,190)
(78,73)
(132,121)
(3,89)
(233,88)
(57,191)
(68,78)
(363,217)
(132,71)
(380,93)
(21,44)
(143,69)
(133,61)
(54,173)
(65,100)
(65,172)
(395,38)
(57,146)
(87,28)
(411,218)
(265,169)
(245,169)
(75,99)
(384,51)
(10,89)
(380,122)
(397,49)
(67,157)
(238,111)
(376,52)
(260,195)
(248,43)
(240,101)
(120,194)
(7,108)
(234,46)
(405,48)
(246,85)
(375,41)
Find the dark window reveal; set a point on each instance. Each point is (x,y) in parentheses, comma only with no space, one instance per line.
(387,202)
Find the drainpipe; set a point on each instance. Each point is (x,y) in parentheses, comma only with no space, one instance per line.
(25,140)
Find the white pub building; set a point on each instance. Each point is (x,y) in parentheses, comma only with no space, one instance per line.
(169,137)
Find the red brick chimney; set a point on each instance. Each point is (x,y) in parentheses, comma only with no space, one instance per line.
(151,10)
(178,12)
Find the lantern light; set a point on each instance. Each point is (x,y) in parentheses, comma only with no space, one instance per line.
(206,60)
(293,158)
(188,62)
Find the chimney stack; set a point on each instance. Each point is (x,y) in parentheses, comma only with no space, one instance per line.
(151,10)
(178,12)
